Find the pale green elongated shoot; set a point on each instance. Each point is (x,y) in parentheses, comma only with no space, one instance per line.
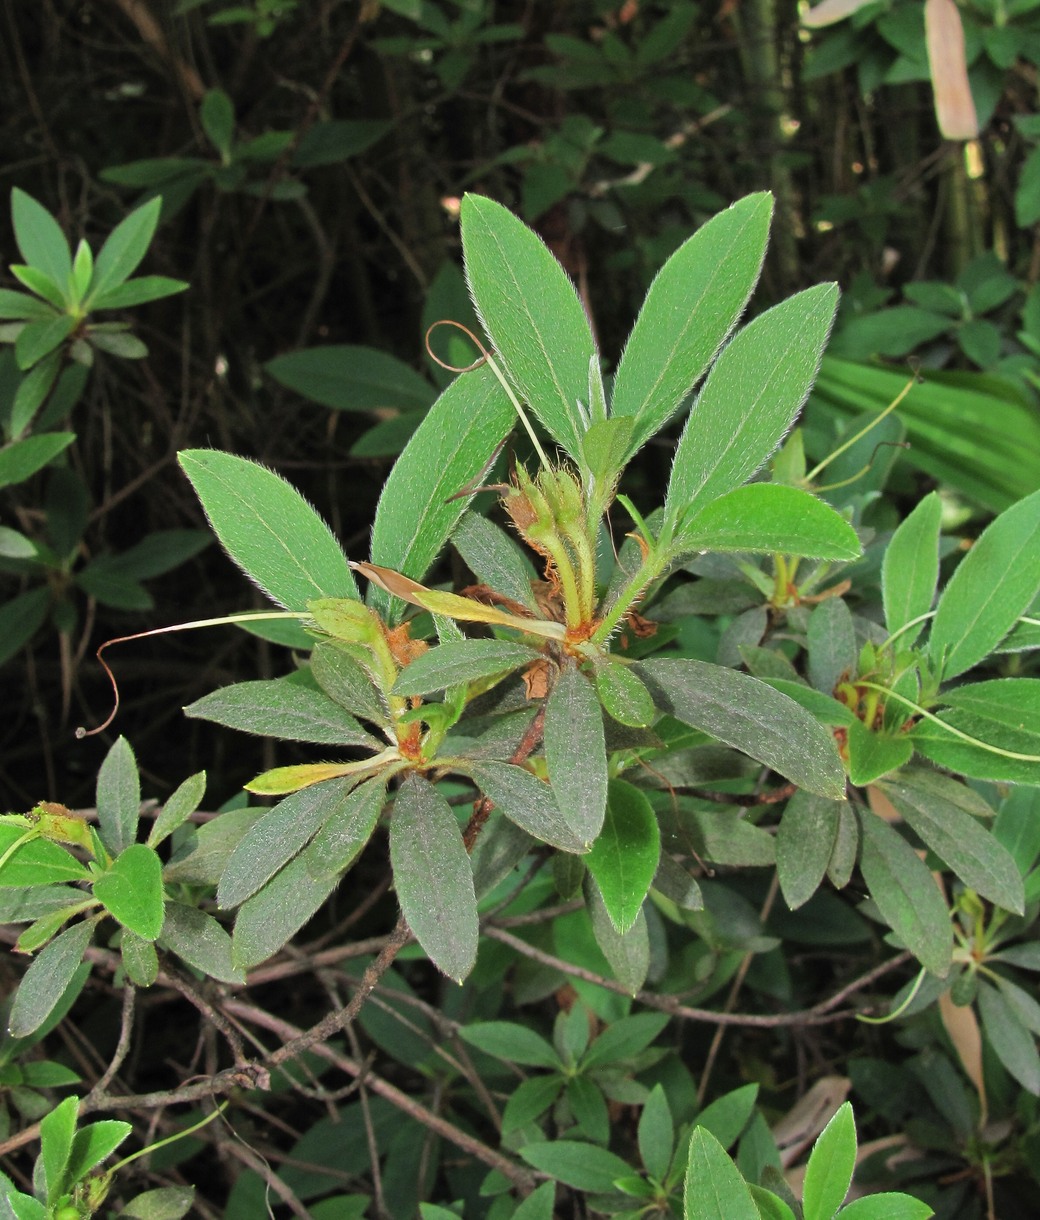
(896,1012)
(906,627)
(859,435)
(949,728)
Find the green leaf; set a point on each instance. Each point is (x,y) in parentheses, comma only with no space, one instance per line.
(628,953)
(495,559)
(713,1188)
(201,941)
(510,1042)
(931,805)
(166,1203)
(274,838)
(348,828)
(17,305)
(828,1175)
(538,1205)
(217,116)
(117,343)
(728,1115)
(991,588)
(451,448)
(770,1206)
(57,1131)
(530,1099)
(805,841)
(769,517)
(39,282)
(272,916)
(82,270)
(529,803)
(118,797)
(292,708)
(138,292)
(37,862)
(656,1134)
(751,716)
(532,315)
(34,390)
(575,753)
(49,975)
(873,754)
(333,140)
(452,664)
(1004,712)
(345,681)
(886,1206)
(906,895)
(39,237)
(179,806)
(691,307)
(579,1165)
(624,857)
(269,529)
(831,640)
(20,460)
(1013,1043)
(749,400)
(131,890)
(124,249)
(39,339)
(433,877)
(93,1143)
(624,1038)
(624,698)
(140,961)
(347,377)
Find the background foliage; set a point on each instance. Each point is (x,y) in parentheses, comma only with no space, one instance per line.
(310,159)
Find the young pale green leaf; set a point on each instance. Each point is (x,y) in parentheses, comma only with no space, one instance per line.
(832,644)
(769,517)
(510,1042)
(200,941)
(57,1131)
(348,828)
(930,804)
(93,1143)
(124,249)
(992,586)
(656,1134)
(750,399)
(36,862)
(1004,713)
(420,503)
(906,895)
(606,447)
(49,975)
(276,837)
(576,1164)
(532,315)
(118,797)
(21,459)
(1013,1042)
(627,952)
(272,916)
(131,890)
(179,806)
(576,753)
(805,841)
(495,559)
(269,529)
(293,708)
(910,569)
(751,716)
(433,877)
(624,698)
(467,661)
(690,309)
(623,859)
(40,239)
(713,1188)
(874,753)
(529,803)
(828,1175)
